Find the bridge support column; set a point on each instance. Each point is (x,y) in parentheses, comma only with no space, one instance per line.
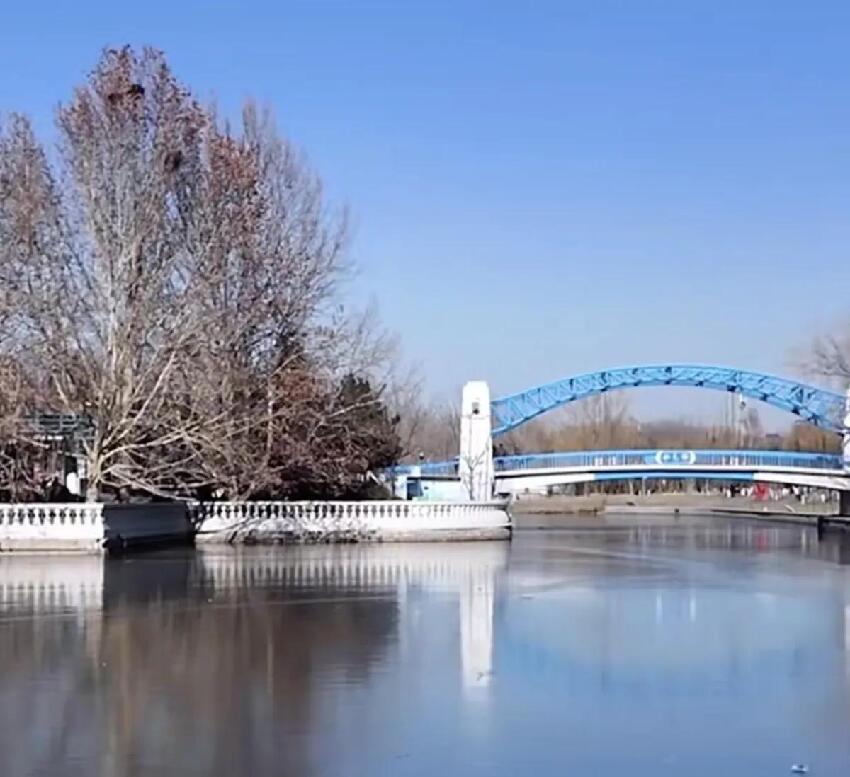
(475,465)
(846,431)
(844,496)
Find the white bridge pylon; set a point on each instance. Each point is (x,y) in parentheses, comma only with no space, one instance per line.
(475,465)
(846,447)
(844,498)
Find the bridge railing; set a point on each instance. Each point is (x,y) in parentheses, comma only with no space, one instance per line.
(669,458)
(639,458)
(428,469)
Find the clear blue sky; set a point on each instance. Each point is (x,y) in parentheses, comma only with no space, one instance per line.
(537,188)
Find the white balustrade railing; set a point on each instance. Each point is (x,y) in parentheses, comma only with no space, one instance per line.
(50,525)
(344,520)
(51,514)
(89,526)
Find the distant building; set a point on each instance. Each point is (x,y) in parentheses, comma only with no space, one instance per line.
(773,441)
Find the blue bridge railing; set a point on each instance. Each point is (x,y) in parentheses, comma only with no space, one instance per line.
(669,458)
(580,460)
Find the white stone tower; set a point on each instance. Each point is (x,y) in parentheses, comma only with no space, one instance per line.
(844,496)
(475,466)
(847,431)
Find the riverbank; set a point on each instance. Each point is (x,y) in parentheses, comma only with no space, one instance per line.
(595,503)
(588,511)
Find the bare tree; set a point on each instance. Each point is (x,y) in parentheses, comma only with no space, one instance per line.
(598,422)
(831,357)
(826,356)
(263,262)
(602,421)
(826,359)
(435,432)
(405,397)
(175,282)
(91,266)
(23,458)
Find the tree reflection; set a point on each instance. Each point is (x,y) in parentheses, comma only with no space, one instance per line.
(177,672)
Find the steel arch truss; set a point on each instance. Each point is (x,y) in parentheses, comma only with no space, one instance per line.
(814,405)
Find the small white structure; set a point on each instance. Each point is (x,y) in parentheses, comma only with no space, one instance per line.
(475,465)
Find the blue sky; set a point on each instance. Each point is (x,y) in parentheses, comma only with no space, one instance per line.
(537,189)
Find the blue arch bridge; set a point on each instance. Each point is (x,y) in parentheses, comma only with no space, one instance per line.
(481,475)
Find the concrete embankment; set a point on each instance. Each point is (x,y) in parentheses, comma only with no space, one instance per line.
(590,511)
(378,521)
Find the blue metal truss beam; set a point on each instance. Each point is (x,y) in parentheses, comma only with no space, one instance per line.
(815,405)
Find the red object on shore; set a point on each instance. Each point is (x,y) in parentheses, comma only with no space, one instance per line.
(761,492)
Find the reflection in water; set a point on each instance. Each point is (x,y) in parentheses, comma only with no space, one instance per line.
(716,534)
(212,663)
(640,649)
(57,583)
(476,629)
(691,599)
(847,640)
(833,546)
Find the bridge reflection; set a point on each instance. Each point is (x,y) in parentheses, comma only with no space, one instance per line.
(671,610)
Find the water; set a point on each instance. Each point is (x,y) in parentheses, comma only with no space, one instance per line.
(648,648)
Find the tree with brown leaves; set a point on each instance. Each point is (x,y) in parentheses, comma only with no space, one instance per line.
(174,282)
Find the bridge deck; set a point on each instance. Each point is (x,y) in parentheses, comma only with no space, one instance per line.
(643,459)
(726,459)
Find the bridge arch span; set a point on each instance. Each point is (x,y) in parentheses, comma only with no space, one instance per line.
(815,405)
